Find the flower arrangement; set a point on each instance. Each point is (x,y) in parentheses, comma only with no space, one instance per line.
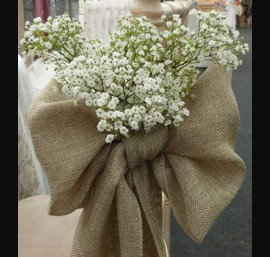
(143,76)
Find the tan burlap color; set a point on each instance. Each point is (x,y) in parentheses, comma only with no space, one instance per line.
(119,185)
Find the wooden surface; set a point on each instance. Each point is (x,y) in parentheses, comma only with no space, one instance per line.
(154,9)
(150,8)
(207,2)
(27,59)
(166,222)
(241,20)
(20,20)
(209,5)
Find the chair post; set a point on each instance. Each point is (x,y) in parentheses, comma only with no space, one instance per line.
(154,9)
(150,8)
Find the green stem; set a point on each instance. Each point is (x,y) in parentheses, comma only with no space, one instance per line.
(59,51)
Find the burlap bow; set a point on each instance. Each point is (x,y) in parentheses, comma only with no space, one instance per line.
(119,185)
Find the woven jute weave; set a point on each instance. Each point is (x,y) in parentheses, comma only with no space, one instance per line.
(119,185)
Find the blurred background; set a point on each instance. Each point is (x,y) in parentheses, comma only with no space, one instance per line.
(230,236)
(44,8)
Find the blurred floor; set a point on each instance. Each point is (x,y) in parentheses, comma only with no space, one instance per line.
(230,236)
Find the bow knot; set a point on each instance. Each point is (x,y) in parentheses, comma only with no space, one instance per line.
(139,147)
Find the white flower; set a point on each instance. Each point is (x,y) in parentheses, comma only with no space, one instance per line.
(186,112)
(147,36)
(235,34)
(178,118)
(55,26)
(109,138)
(113,103)
(37,20)
(115,62)
(167,122)
(123,130)
(148,100)
(203,27)
(101,125)
(154,38)
(211,43)
(163,17)
(100,113)
(110,115)
(138,79)
(134,125)
(103,100)
(166,34)
(246,47)
(176,123)
(169,24)
(135,65)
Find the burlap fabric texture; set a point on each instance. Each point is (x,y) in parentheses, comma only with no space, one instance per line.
(119,185)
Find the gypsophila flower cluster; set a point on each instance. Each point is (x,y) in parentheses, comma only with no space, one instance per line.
(57,41)
(218,42)
(145,74)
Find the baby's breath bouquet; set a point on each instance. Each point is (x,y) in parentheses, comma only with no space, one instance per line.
(143,76)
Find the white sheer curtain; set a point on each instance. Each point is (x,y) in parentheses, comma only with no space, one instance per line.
(31,179)
(231,15)
(102,17)
(40,75)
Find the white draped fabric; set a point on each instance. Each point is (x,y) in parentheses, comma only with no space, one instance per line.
(30,178)
(40,75)
(231,16)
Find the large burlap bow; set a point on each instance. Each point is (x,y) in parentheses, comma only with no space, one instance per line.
(119,185)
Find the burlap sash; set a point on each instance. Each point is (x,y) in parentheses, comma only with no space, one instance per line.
(119,185)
